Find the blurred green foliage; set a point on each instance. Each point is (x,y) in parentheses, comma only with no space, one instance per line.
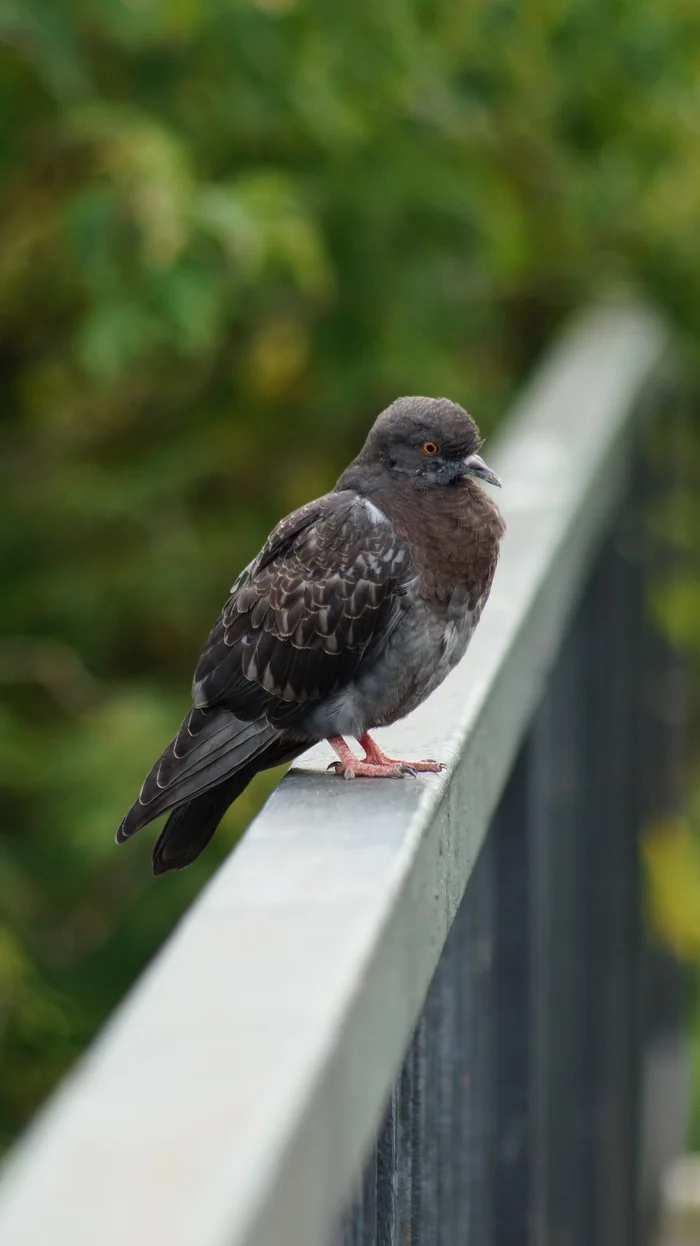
(230,232)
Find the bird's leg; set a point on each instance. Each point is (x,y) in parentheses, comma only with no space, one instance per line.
(351,767)
(374,765)
(375,756)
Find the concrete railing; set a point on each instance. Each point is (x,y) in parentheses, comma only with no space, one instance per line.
(236,1095)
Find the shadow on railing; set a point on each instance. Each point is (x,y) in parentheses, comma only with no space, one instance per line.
(336,974)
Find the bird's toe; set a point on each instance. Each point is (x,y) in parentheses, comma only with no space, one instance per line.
(343,771)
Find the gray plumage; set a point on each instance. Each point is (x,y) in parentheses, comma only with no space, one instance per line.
(355,610)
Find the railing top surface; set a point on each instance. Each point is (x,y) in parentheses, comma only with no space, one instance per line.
(231,1097)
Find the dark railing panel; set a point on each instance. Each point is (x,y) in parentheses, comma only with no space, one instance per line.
(615,818)
(432,1161)
(522,1087)
(561,1076)
(514,982)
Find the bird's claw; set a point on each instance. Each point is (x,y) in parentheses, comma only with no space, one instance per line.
(343,771)
(368,770)
(427,766)
(389,770)
(375,764)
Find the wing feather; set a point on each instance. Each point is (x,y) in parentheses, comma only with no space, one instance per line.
(326,589)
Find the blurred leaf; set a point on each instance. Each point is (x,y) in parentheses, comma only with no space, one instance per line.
(261,222)
(672,859)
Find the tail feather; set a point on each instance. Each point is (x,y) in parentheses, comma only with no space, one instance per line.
(226,746)
(200,793)
(189,828)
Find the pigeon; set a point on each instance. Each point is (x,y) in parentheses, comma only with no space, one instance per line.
(356,608)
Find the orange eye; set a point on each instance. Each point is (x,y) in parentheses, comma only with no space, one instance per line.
(429,447)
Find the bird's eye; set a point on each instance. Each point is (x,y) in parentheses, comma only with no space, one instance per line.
(429,447)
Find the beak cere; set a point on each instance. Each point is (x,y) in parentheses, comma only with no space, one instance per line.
(476,467)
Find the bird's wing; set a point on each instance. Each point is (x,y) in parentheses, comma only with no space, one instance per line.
(327,588)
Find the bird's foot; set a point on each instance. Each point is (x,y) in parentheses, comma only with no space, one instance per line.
(358,768)
(375,764)
(375,756)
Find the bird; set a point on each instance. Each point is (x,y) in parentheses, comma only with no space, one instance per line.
(356,608)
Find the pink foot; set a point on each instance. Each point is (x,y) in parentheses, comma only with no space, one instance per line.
(374,754)
(375,764)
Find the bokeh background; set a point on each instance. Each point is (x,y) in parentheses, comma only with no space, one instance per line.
(230,232)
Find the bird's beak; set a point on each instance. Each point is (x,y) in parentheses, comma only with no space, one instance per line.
(475,466)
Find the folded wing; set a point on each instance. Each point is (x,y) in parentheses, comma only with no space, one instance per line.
(325,591)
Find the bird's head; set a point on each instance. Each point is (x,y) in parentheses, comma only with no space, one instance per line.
(430,440)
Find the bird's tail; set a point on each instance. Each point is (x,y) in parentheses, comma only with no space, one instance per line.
(208,764)
(189,828)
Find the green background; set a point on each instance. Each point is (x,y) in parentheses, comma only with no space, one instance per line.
(230,233)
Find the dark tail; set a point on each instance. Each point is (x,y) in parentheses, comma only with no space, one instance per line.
(210,748)
(189,828)
(202,771)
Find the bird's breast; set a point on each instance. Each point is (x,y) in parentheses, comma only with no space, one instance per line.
(453,535)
